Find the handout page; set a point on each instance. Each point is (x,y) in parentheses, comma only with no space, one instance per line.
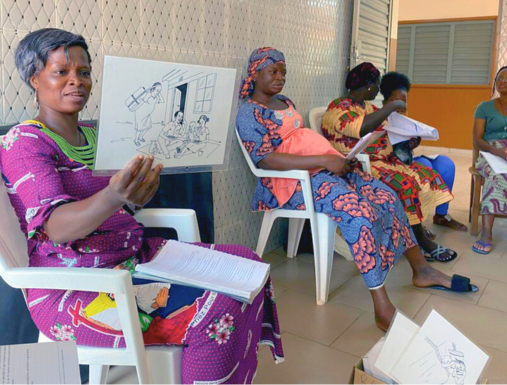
(401,128)
(209,269)
(399,335)
(364,142)
(497,164)
(42,363)
(369,362)
(440,354)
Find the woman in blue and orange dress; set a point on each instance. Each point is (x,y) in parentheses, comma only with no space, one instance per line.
(368,213)
(419,188)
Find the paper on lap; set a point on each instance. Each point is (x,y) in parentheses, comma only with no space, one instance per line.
(364,142)
(497,164)
(401,128)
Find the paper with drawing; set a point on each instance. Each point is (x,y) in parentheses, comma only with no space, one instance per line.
(179,113)
(401,128)
(440,354)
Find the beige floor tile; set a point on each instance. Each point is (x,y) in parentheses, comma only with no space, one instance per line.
(494,296)
(306,362)
(339,263)
(496,369)
(300,315)
(482,266)
(399,289)
(360,337)
(122,375)
(300,276)
(274,259)
(481,325)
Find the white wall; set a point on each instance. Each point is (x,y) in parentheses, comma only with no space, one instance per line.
(446,9)
(313,34)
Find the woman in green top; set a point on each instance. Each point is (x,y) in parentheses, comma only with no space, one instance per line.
(490,135)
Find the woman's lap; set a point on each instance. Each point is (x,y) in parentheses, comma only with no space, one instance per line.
(219,334)
(370,217)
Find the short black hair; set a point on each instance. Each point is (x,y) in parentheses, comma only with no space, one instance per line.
(33,51)
(393,81)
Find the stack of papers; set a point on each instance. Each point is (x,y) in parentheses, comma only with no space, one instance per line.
(43,363)
(435,353)
(190,265)
(401,128)
(497,164)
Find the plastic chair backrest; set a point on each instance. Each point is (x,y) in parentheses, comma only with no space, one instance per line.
(315,118)
(246,155)
(13,247)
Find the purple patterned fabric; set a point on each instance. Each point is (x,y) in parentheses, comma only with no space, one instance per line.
(220,335)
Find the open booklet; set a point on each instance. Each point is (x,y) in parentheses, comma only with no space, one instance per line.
(435,353)
(190,265)
(497,164)
(401,128)
(364,142)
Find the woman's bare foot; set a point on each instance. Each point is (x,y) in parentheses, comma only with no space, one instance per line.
(426,276)
(383,320)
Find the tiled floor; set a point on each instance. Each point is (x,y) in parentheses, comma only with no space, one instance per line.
(322,343)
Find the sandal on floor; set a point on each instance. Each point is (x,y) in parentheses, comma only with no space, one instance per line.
(439,254)
(459,284)
(448,221)
(428,234)
(484,245)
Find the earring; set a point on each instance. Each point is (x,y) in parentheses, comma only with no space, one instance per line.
(35,101)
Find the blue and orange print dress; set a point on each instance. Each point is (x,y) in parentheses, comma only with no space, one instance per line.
(370,216)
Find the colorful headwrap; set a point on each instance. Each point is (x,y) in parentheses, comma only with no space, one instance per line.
(361,76)
(259,59)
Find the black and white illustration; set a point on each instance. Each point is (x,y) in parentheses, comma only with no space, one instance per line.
(176,112)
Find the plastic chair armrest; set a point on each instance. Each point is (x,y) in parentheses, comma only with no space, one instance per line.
(71,278)
(184,221)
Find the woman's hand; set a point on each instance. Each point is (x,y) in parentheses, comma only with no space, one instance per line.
(136,183)
(396,105)
(336,164)
(501,152)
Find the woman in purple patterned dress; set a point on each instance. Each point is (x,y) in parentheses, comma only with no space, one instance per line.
(71,218)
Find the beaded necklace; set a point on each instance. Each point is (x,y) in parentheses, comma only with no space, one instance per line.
(81,154)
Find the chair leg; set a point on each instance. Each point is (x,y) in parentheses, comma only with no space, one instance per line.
(267,223)
(472,187)
(295,230)
(476,204)
(323,256)
(98,374)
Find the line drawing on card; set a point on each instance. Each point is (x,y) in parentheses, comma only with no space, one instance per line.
(453,363)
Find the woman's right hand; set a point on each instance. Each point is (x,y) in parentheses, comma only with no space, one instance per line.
(136,183)
(501,152)
(336,164)
(396,105)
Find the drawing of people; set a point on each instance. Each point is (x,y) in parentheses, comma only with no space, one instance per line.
(142,115)
(453,363)
(174,135)
(198,137)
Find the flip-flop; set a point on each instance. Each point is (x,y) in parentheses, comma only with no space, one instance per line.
(437,254)
(459,284)
(483,244)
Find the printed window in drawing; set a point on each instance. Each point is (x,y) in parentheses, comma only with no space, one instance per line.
(205,88)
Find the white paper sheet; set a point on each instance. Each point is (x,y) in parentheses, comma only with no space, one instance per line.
(209,269)
(364,142)
(498,165)
(399,335)
(43,363)
(440,354)
(371,358)
(401,128)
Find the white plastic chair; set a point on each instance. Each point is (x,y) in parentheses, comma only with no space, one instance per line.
(323,228)
(154,364)
(315,118)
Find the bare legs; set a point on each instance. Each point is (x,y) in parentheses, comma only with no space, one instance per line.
(423,275)
(487,233)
